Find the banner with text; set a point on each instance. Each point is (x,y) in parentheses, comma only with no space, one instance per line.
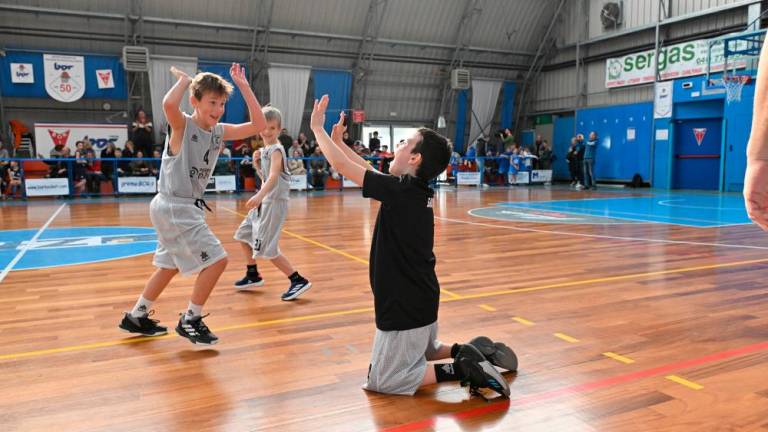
(47,187)
(50,135)
(137,185)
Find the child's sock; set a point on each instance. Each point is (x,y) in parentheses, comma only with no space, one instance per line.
(141,308)
(193,311)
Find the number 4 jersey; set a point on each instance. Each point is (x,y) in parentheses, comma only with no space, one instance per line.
(186,174)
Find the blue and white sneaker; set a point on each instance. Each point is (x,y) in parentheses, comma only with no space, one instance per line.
(296,289)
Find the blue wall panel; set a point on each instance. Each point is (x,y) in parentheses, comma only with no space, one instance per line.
(563,131)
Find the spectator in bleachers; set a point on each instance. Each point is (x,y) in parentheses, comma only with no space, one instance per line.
(224,165)
(246,164)
(514,165)
(93,174)
(358,147)
(59,169)
(141,133)
(573,162)
(302,138)
(296,164)
(4,164)
(129,151)
(108,166)
(318,169)
(285,139)
(295,146)
(386,159)
(308,148)
(122,164)
(347,140)
(508,138)
(505,161)
(78,170)
(156,162)
(109,151)
(580,147)
(139,167)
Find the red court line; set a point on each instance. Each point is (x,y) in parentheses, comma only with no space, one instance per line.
(584,387)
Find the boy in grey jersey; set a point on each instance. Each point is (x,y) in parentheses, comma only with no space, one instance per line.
(185,243)
(259,232)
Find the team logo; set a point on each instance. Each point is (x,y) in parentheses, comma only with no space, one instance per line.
(204,256)
(59,138)
(64,77)
(614,69)
(105,79)
(194,137)
(21,73)
(699,134)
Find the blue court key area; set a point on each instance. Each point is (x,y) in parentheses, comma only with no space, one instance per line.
(691,210)
(77,245)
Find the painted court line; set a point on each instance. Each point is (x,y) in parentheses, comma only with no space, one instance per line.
(370,309)
(618,357)
(488,308)
(583,388)
(28,245)
(523,321)
(573,234)
(685,382)
(565,337)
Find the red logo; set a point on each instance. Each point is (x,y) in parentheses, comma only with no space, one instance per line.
(105,77)
(59,139)
(699,134)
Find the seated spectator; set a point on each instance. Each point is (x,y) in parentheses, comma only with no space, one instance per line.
(224,164)
(139,167)
(78,171)
(386,159)
(123,166)
(14,178)
(156,163)
(93,174)
(129,151)
(59,169)
(295,163)
(246,164)
(347,140)
(318,169)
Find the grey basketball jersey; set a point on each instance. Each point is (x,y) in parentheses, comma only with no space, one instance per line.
(283,186)
(186,174)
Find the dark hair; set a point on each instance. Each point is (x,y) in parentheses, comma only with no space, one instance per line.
(435,154)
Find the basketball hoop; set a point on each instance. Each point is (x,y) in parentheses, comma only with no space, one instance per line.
(733,85)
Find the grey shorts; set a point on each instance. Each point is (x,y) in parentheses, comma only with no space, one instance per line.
(399,359)
(261,228)
(184,241)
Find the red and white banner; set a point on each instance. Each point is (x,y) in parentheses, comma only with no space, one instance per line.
(64,76)
(50,135)
(699,133)
(22,73)
(105,78)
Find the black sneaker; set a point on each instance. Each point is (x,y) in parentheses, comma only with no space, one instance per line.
(248,282)
(196,331)
(143,325)
(296,289)
(498,353)
(479,372)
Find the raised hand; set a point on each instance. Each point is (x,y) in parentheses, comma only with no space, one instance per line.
(756,192)
(237,73)
(318,113)
(337,133)
(179,74)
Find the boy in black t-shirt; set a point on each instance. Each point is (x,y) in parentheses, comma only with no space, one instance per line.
(402,269)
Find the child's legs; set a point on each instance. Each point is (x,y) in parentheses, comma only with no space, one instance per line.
(282,263)
(247,253)
(157,283)
(206,280)
(399,362)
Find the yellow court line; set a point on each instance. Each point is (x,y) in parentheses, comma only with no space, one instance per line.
(488,308)
(352,311)
(337,251)
(608,279)
(617,357)
(523,321)
(565,337)
(685,382)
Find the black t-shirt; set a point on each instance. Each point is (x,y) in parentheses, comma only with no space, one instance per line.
(406,292)
(374,144)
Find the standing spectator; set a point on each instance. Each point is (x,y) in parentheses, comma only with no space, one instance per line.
(508,138)
(318,169)
(580,147)
(589,161)
(286,140)
(545,156)
(141,132)
(573,161)
(374,143)
(536,149)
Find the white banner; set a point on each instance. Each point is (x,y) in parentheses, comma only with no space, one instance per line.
(468,178)
(299,182)
(221,183)
(49,135)
(662,102)
(675,61)
(540,176)
(523,177)
(47,187)
(347,183)
(137,184)
(105,78)
(64,76)
(22,73)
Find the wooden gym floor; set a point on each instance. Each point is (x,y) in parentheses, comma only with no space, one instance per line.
(618,326)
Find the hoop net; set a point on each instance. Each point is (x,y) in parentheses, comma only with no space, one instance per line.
(734,84)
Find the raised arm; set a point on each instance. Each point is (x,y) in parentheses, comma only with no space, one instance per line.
(335,155)
(756,175)
(337,134)
(171,104)
(258,122)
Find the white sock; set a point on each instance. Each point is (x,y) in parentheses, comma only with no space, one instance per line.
(193,311)
(141,308)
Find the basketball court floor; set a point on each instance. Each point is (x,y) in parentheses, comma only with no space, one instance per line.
(629,310)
